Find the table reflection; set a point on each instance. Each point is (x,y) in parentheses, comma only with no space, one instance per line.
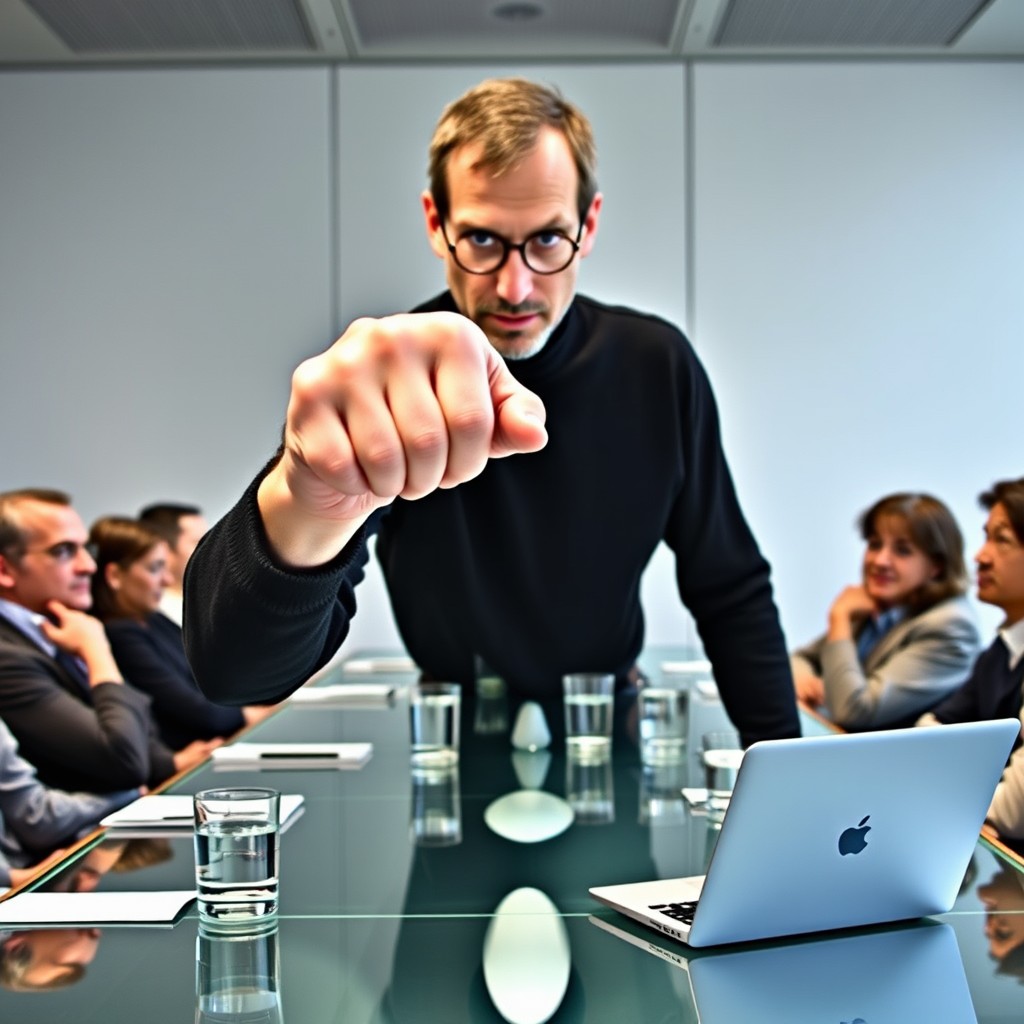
(908,973)
(237,974)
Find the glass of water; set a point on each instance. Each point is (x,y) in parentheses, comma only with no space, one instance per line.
(434,716)
(236,834)
(589,698)
(721,752)
(663,719)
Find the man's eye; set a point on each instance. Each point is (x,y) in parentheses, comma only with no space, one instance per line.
(64,551)
(481,239)
(546,239)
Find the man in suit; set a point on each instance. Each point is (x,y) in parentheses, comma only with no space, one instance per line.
(61,692)
(994,687)
(182,526)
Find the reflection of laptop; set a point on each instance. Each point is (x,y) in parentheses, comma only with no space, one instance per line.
(907,974)
(906,806)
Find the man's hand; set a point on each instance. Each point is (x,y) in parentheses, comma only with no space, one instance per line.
(83,635)
(195,753)
(397,407)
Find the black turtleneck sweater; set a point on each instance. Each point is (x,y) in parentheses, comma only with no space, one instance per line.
(535,565)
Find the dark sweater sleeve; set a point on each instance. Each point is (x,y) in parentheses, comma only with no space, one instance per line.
(145,655)
(725,581)
(255,631)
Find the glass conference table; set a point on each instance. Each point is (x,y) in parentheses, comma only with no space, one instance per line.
(385,917)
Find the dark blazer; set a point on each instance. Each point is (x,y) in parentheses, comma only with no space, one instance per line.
(97,740)
(151,654)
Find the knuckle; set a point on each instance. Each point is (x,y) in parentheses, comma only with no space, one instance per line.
(471,421)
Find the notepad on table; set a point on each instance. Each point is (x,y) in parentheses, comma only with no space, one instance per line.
(274,756)
(160,812)
(67,908)
(344,695)
(382,665)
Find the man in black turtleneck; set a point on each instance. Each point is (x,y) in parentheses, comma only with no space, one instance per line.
(520,462)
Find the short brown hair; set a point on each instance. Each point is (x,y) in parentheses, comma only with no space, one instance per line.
(116,540)
(13,538)
(505,116)
(934,531)
(1009,494)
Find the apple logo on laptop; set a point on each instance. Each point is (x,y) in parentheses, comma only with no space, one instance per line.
(852,840)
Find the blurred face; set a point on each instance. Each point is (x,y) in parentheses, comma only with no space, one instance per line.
(192,530)
(1004,923)
(55,952)
(140,585)
(1000,563)
(55,566)
(514,306)
(894,566)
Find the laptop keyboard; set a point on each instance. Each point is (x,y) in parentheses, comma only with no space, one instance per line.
(682,912)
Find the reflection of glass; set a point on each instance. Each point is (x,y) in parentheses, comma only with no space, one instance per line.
(491,715)
(436,807)
(588,788)
(237,973)
(661,794)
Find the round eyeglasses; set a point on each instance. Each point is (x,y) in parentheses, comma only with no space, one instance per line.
(479,251)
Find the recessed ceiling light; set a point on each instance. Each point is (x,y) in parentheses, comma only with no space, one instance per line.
(518,10)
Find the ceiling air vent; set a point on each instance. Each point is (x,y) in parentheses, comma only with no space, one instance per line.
(148,26)
(845,23)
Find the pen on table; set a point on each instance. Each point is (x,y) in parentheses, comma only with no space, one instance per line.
(318,755)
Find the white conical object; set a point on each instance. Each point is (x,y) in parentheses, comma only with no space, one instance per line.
(531,730)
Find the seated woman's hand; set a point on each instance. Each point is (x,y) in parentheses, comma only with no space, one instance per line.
(809,690)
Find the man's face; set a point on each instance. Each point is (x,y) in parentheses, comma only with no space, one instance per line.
(514,306)
(55,566)
(192,529)
(1000,563)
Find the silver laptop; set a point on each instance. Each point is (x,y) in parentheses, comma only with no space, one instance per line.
(908,973)
(834,831)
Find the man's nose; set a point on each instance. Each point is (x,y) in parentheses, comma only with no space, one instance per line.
(515,279)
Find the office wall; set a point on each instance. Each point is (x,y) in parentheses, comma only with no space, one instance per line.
(847,254)
(164,258)
(859,245)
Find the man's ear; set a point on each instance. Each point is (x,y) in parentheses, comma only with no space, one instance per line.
(590,222)
(432,220)
(6,574)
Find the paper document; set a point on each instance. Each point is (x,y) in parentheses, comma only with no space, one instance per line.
(173,811)
(344,695)
(60,908)
(698,666)
(274,756)
(391,663)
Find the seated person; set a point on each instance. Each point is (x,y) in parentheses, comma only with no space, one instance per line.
(126,588)
(35,820)
(61,692)
(906,636)
(182,526)
(993,689)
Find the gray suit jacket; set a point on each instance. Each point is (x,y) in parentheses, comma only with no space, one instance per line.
(99,741)
(915,665)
